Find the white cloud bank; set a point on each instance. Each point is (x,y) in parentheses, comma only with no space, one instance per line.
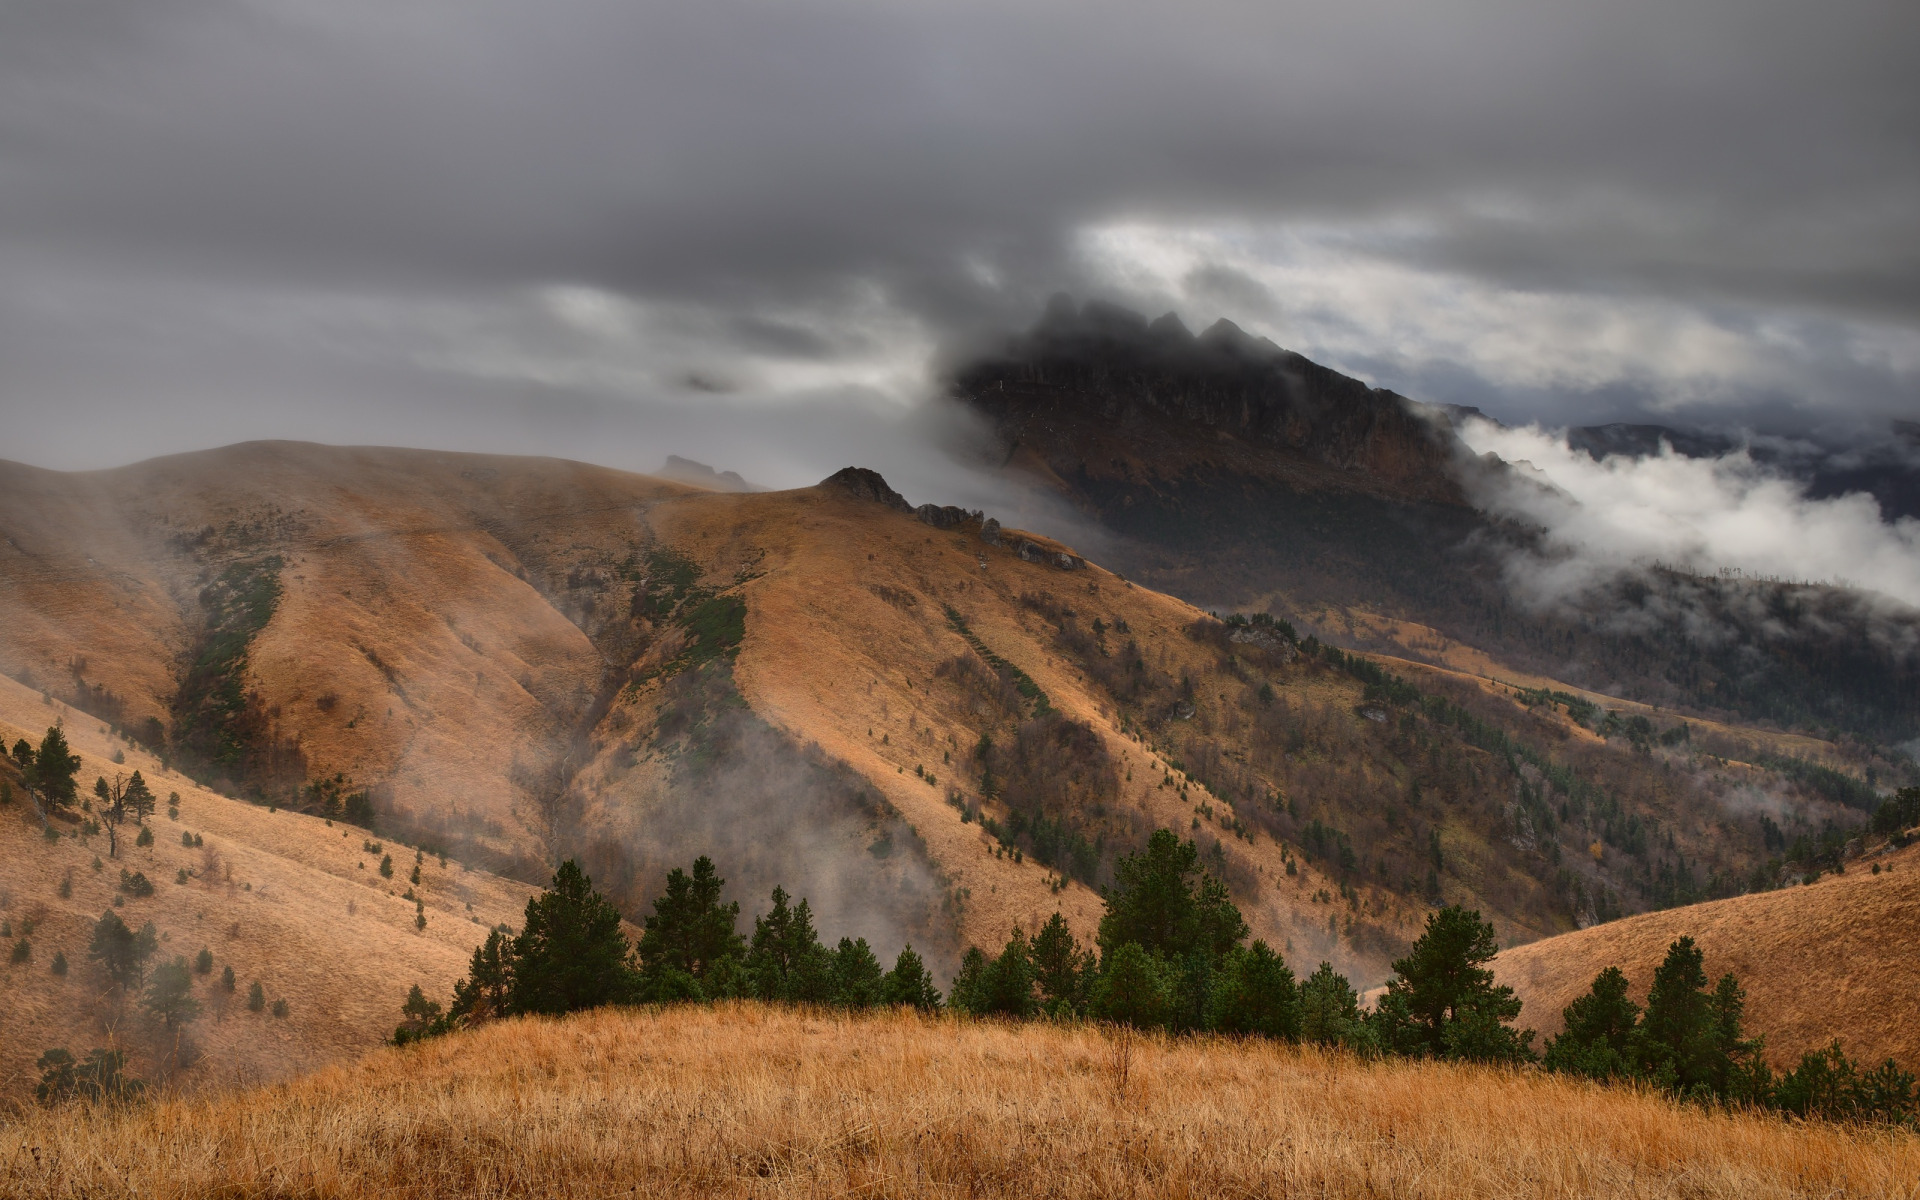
(1705,515)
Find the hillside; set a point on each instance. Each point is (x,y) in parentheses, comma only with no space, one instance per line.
(931,727)
(1238,475)
(283,899)
(743,1100)
(1823,961)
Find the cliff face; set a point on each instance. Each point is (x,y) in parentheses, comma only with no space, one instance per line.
(1102,390)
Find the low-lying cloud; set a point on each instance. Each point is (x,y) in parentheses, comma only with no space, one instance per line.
(1727,514)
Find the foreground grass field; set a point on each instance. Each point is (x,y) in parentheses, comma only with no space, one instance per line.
(750,1101)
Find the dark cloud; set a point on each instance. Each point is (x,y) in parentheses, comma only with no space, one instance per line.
(219,215)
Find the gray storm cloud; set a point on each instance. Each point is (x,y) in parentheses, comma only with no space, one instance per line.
(608,230)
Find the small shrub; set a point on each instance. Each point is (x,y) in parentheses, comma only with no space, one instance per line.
(60,962)
(386,866)
(145,838)
(50,833)
(226,980)
(22,951)
(279,1008)
(203,962)
(180,876)
(6,929)
(135,883)
(66,886)
(256,997)
(186,839)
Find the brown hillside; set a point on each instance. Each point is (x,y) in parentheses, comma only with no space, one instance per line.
(747,1101)
(282,898)
(526,659)
(1831,959)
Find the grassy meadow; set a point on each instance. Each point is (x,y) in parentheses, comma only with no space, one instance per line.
(746,1100)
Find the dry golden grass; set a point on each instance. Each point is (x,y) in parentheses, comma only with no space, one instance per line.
(749,1101)
(304,911)
(1830,959)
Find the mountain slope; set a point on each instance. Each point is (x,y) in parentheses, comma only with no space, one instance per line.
(284,899)
(1818,962)
(931,727)
(1239,475)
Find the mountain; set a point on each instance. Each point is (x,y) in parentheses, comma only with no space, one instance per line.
(932,727)
(1241,476)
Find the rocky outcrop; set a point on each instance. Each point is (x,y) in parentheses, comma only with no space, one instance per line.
(1033,552)
(863,484)
(945,516)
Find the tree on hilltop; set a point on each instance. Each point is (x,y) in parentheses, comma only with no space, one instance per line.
(1456,1009)
(785,960)
(910,984)
(858,979)
(571,954)
(1598,1031)
(690,930)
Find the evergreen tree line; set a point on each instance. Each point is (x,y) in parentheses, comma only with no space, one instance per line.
(1171,953)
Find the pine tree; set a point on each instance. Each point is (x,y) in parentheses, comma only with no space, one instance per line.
(170,994)
(785,960)
(54,766)
(139,798)
(60,962)
(420,1016)
(256,997)
(1596,1039)
(570,954)
(1135,988)
(690,930)
(857,976)
(1255,994)
(1062,970)
(226,980)
(1330,1010)
(910,984)
(203,962)
(484,993)
(965,995)
(120,951)
(1007,987)
(1444,982)
(1677,1044)
(1162,902)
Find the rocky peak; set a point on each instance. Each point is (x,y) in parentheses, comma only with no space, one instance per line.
(864,484)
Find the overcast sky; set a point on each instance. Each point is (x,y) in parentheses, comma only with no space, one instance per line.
(747,233)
